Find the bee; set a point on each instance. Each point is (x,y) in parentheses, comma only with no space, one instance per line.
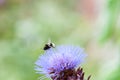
(49,45)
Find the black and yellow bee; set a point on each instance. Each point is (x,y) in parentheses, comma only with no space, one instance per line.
(49,45)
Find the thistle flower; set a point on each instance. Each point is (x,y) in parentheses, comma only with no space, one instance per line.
(62,63)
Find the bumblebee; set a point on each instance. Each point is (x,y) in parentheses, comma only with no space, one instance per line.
(49,45)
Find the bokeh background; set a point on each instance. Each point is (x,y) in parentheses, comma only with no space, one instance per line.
(26,25)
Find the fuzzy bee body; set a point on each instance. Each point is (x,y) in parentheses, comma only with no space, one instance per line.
(48,46)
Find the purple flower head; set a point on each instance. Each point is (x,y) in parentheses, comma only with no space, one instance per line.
(60,59)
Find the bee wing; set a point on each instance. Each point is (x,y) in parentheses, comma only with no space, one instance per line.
(49,40)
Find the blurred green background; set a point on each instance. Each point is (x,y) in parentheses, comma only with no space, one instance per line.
(26,25)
